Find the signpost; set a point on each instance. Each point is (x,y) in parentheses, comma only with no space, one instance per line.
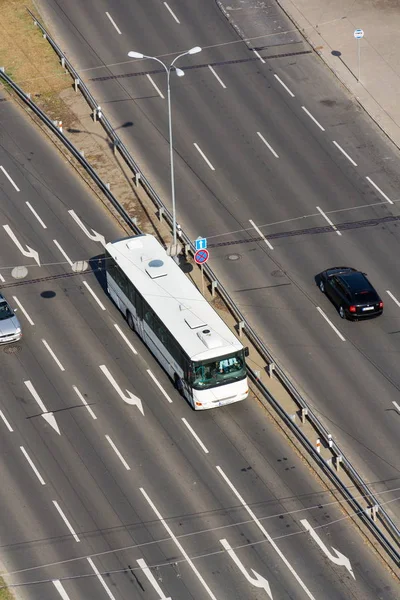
(358,34)
(200,258)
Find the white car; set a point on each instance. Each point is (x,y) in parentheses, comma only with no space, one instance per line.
(10,328)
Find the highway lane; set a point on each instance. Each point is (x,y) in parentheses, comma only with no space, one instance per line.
(101,503)
(314,171)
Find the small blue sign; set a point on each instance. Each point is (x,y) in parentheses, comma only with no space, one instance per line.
(358,34)
(200,243)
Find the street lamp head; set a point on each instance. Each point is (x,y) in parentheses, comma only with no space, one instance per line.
(134,54)
(194,50)
(179,72)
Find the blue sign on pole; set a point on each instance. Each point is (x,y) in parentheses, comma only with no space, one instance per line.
(200,243)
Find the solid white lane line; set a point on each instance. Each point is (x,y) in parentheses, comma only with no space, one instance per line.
(46,345)
(396,406)
(178,544)
(159,386)
(194,434)
(2,415)
(268,145)
(266,534)
(113,22)
(65,255)
(34,469)
(59,587)
(118,453)
(393,297)
(36,215)
(170,10)
(283,85)
(379,190)
(345,154)
(23,310)
(9,179)
(203,155)
(64,518)
(258,56)
(217,77)
(89,289)
(127,342)
(83,400)
(100,578)
(155,86)
(329,221)
(313,118)
(321,312)
(260,233)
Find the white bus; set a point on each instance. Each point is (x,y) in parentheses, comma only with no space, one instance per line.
(202,356)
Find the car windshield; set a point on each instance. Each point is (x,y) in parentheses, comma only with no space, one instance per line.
(214,372)
(365,297)
(5,311)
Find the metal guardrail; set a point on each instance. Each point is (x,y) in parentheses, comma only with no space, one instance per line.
(278,370)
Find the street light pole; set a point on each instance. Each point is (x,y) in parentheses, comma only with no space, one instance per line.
(171,164)
(180,73)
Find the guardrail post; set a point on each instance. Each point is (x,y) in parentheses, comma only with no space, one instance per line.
(82,153)
(76,84)
(99,113)
(330,441)
(292,417)
(271,368)
(2,69)
(115,146)
(108,186)
(63,62)
(45,36)
(94,114)
(161,211)
(35,23)
(372,511)
(240,327)
(137,178)
(338,460)
(28,95)
(318,445)
(304,413)
(214,285)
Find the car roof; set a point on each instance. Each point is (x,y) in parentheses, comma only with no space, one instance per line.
(356,280)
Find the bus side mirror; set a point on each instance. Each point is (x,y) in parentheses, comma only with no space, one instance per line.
(246,351)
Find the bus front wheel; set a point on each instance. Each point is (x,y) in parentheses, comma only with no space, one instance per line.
(178,384)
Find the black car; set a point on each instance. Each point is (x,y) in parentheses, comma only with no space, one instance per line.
(351,292)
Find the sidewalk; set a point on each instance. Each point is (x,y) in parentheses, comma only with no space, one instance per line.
(329,26)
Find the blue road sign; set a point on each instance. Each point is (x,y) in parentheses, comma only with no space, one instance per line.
(201,256)
(200,243)
(358,34)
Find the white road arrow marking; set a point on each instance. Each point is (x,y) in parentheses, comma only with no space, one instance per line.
(30,252)
(258,580)
(340,559)
(47,416)
(152,579)
(130,398)
(95,237)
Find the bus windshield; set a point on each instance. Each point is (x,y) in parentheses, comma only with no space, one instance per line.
(219,371)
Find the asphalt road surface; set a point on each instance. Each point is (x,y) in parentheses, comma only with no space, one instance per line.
(272,146)
(96,490)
